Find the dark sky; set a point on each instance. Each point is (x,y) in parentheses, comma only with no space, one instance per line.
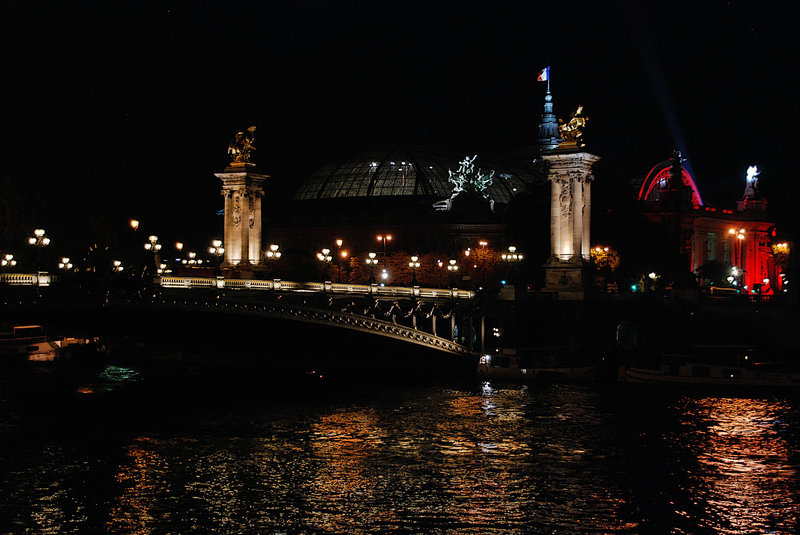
(126,108)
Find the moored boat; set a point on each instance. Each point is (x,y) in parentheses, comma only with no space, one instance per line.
(560,363)
(712,365)
(28,342)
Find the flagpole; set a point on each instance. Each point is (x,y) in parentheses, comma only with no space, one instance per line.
(548,79)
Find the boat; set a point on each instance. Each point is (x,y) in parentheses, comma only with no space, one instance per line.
(553,364)
(712,365)
(28,342)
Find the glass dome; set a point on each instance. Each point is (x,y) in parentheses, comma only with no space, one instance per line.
(402,172)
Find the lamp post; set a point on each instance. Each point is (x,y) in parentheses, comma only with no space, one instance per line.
(414,264)
(8,261)
(65,264)
(217,250)
(273,253)
(325,257)
(738,235)
(39,240)
(134,223)
(511,257)
(452,267)
(153,246)
(372,262)
(116,266)
(340,256)
(384,238)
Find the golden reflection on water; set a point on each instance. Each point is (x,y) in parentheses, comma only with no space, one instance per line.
(463,462)
(493,460)
(745,470)
(140,481)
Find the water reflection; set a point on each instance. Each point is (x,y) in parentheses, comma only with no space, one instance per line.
(109,379)
(482,459)
(746,476)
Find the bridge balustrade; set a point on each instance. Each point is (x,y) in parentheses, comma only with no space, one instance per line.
(328,287)
(25,279)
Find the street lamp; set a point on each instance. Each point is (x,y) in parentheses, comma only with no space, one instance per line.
(39,240)
(372,262)
(192,260)
(273,252)
(340,256)
(325,257)
(452,267)
(384,238)
(217,250)
(414,264)
(8,261)
(65,264)
(512,255)
(116,266)
(134,223)
(153,246)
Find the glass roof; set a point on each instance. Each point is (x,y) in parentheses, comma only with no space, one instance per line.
(402,172)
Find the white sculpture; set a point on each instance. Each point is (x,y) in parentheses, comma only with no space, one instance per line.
(752,181)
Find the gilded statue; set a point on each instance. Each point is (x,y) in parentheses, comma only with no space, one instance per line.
(242,147)
(572,131)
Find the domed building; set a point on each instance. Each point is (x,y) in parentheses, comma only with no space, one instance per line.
(421,201)
(404,192)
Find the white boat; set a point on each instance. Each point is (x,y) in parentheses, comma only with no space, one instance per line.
(28,342)
(699,373)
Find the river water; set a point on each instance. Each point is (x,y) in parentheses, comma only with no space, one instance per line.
(122,449)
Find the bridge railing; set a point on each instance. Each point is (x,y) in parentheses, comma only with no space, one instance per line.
(26,279)
(45,279)
(327,287)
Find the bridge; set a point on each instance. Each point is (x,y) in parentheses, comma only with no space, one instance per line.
(435,318)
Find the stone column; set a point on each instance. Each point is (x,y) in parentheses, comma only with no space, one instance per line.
(586,244)
(244,229)
(570,176)
(242,187)
(555,219)
(255,235)
(227,235)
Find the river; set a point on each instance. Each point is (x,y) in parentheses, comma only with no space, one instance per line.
(124,449)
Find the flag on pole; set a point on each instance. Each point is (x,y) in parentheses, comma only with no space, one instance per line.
(544,75)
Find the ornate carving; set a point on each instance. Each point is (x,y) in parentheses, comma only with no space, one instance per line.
(565,198)
(237,209)
(242,147)
(251,207)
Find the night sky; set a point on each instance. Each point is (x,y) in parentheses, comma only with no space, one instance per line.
(121,109)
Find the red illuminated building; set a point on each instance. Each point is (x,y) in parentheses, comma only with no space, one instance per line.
(739,238)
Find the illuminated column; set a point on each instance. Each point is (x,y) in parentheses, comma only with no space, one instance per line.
(228,227)
(586,246)
(255,240)
(570,176)
(242,189)
(555,219)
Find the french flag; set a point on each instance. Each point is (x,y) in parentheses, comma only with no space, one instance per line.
(544,75)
